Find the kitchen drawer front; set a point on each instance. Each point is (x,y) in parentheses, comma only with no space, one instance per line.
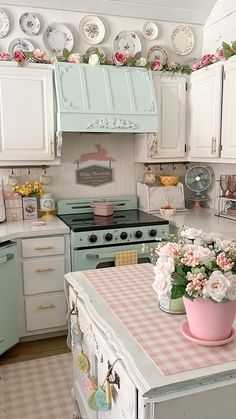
(45,311)
(43,275)
(43,246)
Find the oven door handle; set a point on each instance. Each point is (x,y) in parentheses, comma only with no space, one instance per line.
(91,256)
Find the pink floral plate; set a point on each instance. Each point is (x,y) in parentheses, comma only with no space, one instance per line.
(187,334)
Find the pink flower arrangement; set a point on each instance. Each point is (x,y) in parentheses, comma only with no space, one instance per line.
(205,61)
(156,65)
(39,54)
(75,58)
(4,56)
(193,268)
(120,58)
(19,56)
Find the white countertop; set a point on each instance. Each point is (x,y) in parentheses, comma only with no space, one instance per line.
(21,229)
(205,220)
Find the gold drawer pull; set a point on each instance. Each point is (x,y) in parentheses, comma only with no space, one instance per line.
(46,306)
(44,269)
(44,247)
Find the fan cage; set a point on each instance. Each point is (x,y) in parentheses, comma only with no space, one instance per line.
(192,173)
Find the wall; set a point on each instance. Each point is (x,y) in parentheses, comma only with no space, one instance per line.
(220,25)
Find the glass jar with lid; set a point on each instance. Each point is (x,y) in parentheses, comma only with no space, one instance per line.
(47,202)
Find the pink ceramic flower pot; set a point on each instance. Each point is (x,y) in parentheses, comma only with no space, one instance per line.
(208,320)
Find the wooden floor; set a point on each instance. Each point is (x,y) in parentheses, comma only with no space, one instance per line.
(36,349)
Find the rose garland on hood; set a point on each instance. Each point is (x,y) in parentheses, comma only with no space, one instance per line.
(223,53)
(195,265)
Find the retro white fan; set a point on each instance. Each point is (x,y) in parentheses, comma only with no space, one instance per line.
(198,179)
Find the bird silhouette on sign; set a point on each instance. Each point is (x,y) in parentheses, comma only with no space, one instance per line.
(100,155)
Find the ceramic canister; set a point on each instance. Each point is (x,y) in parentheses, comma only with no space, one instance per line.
(47,202)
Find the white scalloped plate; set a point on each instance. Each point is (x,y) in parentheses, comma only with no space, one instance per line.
(182,40)
(92,29)
(58,36)
(4,24)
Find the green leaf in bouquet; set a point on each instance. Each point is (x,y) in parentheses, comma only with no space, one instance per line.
(227,51)
(177,291)
(66,53)
(234,47)
(137,56)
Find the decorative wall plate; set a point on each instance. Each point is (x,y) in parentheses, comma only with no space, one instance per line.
(157,53)
(92,50)
(57,37)
(127,42)
(150,31)
(29,23)
(92,29)
(4,23)
(182,40)
(22,44)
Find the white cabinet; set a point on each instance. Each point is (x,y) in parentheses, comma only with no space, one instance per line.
(205,112)
(26,113)
(43,303)
(169,141)
(229,111)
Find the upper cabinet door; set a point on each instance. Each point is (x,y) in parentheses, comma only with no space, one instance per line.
(169,139)
(229,111)
(26,113)
(205,108)
(104,99)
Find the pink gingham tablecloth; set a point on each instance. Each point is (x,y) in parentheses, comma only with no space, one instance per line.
(128,292)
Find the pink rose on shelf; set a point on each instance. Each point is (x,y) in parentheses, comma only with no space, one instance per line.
(220,54)
(75,58)
(156,65)
(39,54)
(206,60)
(119,58)
(4,56)
(214,59)
(19,55)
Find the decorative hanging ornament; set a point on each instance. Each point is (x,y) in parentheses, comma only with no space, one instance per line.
(91,401)
(83,363)
(101,399)
(76,332)
(108,392)
(89,385)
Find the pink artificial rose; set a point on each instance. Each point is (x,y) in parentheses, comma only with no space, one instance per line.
(4,56)
(205,60)
(19,55)
(39,54)
(75,58)
(119,58)
(214,59)
(156,65)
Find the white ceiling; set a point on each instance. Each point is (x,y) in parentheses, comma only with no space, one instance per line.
(186,11)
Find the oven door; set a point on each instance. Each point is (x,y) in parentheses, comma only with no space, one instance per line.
(104,257)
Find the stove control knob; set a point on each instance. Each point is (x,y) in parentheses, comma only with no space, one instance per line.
(138,234)
(108,237)
(152,232)
(93,238)
(123,235)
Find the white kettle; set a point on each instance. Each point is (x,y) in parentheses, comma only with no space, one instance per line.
(2,207)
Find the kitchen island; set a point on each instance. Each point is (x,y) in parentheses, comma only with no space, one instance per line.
(158,374)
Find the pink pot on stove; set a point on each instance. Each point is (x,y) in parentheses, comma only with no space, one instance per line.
(104,209)
(208,320)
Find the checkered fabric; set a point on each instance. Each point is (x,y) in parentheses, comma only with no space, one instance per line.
(129,257)
(128,292)
(38,389)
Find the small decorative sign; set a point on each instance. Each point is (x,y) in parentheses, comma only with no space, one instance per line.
(94,175)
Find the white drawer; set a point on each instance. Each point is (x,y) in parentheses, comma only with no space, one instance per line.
(43,246)
(45,311)
(43,275)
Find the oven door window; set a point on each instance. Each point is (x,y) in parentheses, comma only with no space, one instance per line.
(104,257)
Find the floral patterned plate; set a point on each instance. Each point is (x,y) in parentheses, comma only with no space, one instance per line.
(92,29)
(182,39)
(150,31)
(57,37)
(4,24)
(29,23)
(22,44)
(157,53)
(127,42)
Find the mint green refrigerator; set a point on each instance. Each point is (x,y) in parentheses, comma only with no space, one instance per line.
(9,333)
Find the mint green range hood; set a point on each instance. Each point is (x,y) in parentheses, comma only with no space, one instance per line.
(104,99)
